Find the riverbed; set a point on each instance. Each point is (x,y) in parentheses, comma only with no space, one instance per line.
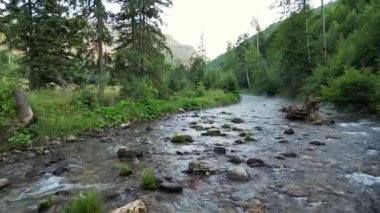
(341,173)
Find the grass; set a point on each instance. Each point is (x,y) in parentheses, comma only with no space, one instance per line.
(89,203)
(61,113)
(148,180)
(124,170)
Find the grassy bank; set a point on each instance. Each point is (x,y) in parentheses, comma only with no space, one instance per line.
(61,113)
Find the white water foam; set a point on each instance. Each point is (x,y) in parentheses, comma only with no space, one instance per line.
(350,124)
(357,133)
(363,178)
(377,129)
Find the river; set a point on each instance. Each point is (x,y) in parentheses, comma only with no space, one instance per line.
(340,175)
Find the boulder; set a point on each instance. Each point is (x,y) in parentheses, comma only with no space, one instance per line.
(289,131)
(238,173)
(137,206)
(198,166)
(181,139)
(126,153)
(256,206)
(213,132)
(236,160)
(220,150)
(255,162)
(171,187)
(4,182)
(237,120)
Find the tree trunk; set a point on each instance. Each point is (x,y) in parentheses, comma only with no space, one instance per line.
(25,112)
(324,30)
(307,40)
(247,76)
(100,33)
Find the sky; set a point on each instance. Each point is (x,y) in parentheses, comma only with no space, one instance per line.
(220,21)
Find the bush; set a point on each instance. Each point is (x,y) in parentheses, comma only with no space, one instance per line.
(354,88)
(88,203)
(7,101)
(148,180)
(228,83)
(139,89)
(86,98)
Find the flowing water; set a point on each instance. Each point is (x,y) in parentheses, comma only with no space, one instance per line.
(341,176)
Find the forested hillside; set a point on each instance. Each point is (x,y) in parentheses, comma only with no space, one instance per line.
(299,60)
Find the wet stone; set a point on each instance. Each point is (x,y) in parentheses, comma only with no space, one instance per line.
(256,206)
(317,143)
(126,153)
(236,160)
(236,129)
(289,154)
(280,158)
(289,131)
(297,192)
(238,173)
(220,150)
(255,162)
(171,187)
(239,142)
(259,128)
(60,170)
(283,141)
(237,120)
(4,182)
(34,172)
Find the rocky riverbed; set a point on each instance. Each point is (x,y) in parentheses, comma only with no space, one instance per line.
(241,158)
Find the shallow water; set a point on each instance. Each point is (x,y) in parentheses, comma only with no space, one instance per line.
(342,176)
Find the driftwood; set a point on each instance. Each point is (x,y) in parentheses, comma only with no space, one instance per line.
(306,112)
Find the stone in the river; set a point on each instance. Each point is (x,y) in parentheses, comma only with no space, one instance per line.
(255,162)
(125,125)
(256,206)
(179,153)
(289,154)
(45,204)
(283,141)
(31,155)
(199,128)
(171,187)
(243,134)
(248,138)
(280,158)
(4,182)
(126,153)
(236,129)
(34,172)
(289,131)
(236,160)
(198,166)
(213,132)
(297,192)
(226,126)
(220,150)
(239,142)
(237,120)
(71,138)
(60,170)
(258,128)
(238,173)
(137,206)
(181,139)
(148,128)
(317,143)
(318,122)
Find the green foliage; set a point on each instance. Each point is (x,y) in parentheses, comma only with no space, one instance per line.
(7,104)
(228,83)
(20,140)
(125,170)
(354,88)
(45,204)
(139,89)
(148,180)
(90,202)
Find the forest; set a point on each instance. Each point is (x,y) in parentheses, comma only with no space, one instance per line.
(331,53)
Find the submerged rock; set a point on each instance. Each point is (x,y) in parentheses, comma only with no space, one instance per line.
(297,192)
(236,160)
(236,129)
(239,142)
(317,143)
(289,154)
(34,172)
(181,139)
(220,150)
(238,173)
(137,206)
(213,132)
(226,126)
(126,153)
(255,162)
(289,131)
(283,141)
(248,138)
(60,170)
(171,187)
(237,120)
(256,206)
(4,182)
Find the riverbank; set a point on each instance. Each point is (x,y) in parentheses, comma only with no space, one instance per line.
(63,113)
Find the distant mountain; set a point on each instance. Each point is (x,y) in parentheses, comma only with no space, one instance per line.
(180,51)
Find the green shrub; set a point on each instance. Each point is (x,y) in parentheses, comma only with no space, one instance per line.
(228,83)
(201,90)
(21,140)
(354,88)
(139,89)
(7,101)
(86,98)
(88,203)
(148,180)
(125,170)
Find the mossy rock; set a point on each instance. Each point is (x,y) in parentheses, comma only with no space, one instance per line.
(148,181)
(213,132)
(226,126)
(45,204)
(237,120)
(182,139)
(125,170)
(248,138)
(236,160)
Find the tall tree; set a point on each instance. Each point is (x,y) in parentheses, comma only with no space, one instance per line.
(324,29)
(141,44)
(242,45)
